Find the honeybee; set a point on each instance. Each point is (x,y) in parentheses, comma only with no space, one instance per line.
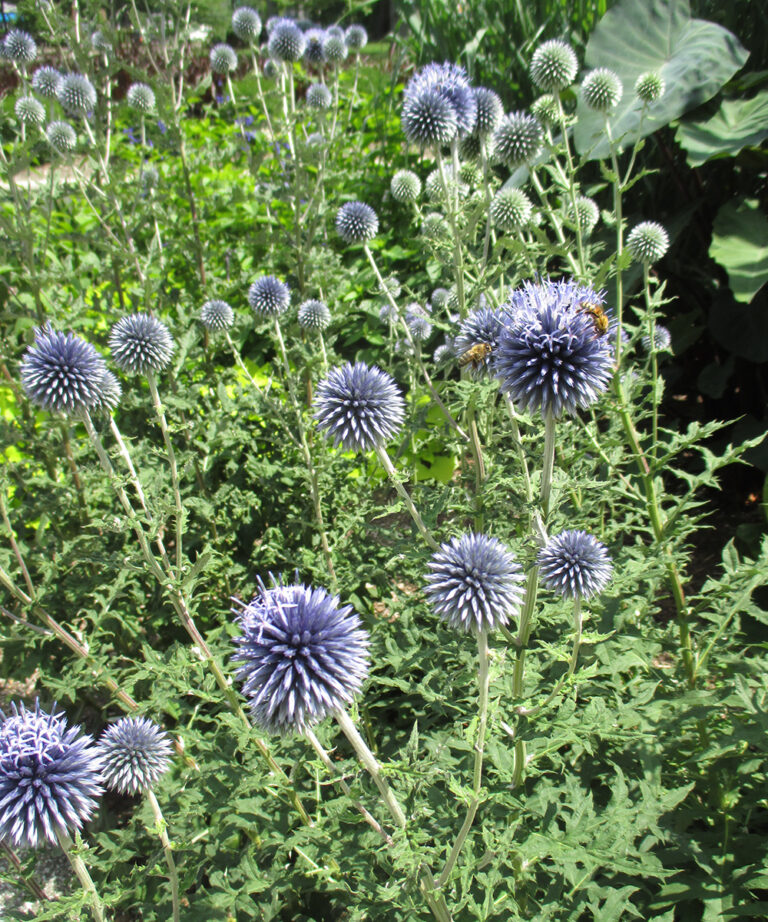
(599,317)
(476,356)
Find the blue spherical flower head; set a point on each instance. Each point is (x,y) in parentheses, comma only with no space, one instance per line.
(50,777)
(356,37)
(77,94)
(474,584)
(356,222)
(359,407)
(313,53)
(269,297)
(301,657)
(61,136)
(62,372)
(223,58)
(217,315)
(46,81)
(314,315)
(20,46)
(140,343)
(451,83)
(477,339)
(319,96)
(286,41)
(550,355)
(428,118)
(575,565)
(246,24)
(135,753)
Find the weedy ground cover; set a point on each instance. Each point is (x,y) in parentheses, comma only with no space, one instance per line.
(348,539)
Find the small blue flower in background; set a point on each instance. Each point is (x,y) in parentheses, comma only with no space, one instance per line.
(314,315)
(135,753)
(474,584)
(140,343)
(50,776)
(477,339)
(356,222)
(575,564)
(217,315)
(62,372)
(359,407)
(161,126)
(301,656)
(269,297)
(450,82)
(246,24)
(19,46)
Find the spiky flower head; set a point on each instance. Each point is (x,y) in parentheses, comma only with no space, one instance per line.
(50,777)
(110,393)
(490,111)
(217,315)
(141,97)
(19,46)
(428,118)
(517,140)
(545,109)
(419,324)
(439,298)
(61,136)
(474,584)
(223,58)
(356,37)
(335,48)
(29,111)
(391,285)
(662,340)
(286,41)
(314,315)
(481,328)
(150,177)
(77,94)
(648,242)
(246,24)
(434,227)
(319,96)
(469,174)
(335,30)
(359,407)
(356,222)
(554,66)
(46,81)
(650,86)
(140,343)
(269,297)
(450,83)
(511,209)
(550,356)
(435,190)
(62,372)
(135,754)
(601,89)
(405,186)
(587,214)
(100,42)
(313,52)
(301,656)
(575,565)
(443,354)
(387,313)
(472,146)
(313,146)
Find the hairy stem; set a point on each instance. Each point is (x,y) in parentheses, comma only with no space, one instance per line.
(81,871)
(386,463)
(162,832)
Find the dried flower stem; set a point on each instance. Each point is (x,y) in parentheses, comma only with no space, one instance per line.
(78,866)
(162,832)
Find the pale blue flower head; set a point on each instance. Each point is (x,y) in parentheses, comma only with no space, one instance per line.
(269,297)
(141,343)
(76,94)
(356,222)
(246,24)
(62,372)
(286,41)
(451,83)
(135,753)
(480,329)
(574,564)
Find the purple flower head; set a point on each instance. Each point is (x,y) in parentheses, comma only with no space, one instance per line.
(478,338)
(314,315)
(286,41)
(50,776)
(428,118)
(135,753)
(301,656)
(140,343)
(77,94)
(356,222)
(269,297)
(217,315)
(451,83)
(356,37)
(62,372)
(575,564)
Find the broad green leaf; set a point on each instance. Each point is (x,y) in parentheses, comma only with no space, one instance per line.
(740,246)
(737,124)
(694,57)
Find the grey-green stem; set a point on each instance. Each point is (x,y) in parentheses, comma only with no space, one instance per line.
(179,513)
(81,871)
(386,463)
(162,832)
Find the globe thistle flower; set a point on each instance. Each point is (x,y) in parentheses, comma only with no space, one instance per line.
(545,110)
(314,315)
(443,354)
(439,298)
(49,777)
(648,242)
(335,31)
(478,338)
(19,46)
(662,340)
(405,186)
(469,174)
(428,118)
(587,215)
(135,753)
(223,59)
(550,356)
(217,315)
(387,313)
(472,146)
(46,81)
(419,325)
(391,285)
(313,53)
(100,43)
(301,656)
(650,86)
(601,89)
(490,111)
(511,209)
(77,94)
(404,349)
(356,222)
(451,83)
(274,21)
(110,393)
(269,297)
(434,227)
(140,343)
(141,97)
(433,185)
(246,24)
(554,66)
(61,136)
(358,407)
(319,96)
(575,565)
(334,48)
(286,42)
(29,111)
(517,140)
(356,37)
(475,583)
(150,177)
(62,372)
(269,69)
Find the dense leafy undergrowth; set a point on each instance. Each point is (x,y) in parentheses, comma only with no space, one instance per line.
(615,766)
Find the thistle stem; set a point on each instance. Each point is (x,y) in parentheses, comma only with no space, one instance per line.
(262,98)
(651,317)
(458,258)
(29,882)
(554,220)
(549,462)
(577,627)
(78,866)
(386,463)
(162,832)
(571,184)
(617,207)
